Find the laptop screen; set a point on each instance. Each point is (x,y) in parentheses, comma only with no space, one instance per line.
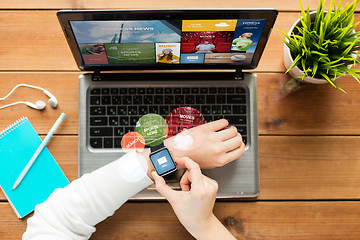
(171,43)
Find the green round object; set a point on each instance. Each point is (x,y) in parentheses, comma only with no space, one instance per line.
(153,128)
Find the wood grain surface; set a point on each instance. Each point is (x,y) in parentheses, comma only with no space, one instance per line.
(308,144)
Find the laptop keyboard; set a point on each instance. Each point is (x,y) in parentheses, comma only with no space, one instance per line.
(115,111)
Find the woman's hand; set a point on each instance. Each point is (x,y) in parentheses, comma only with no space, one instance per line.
(212,145)
(194,204)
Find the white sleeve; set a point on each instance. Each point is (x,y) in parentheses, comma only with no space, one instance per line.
(73,211)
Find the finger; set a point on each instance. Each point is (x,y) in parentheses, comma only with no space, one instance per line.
(185,182)
(217,125)
(235,154)
(227,133)
(180,164)
(212,182)
(195,175)
(162,188)
(233,143)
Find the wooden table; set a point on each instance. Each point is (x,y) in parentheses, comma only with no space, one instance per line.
(309,140)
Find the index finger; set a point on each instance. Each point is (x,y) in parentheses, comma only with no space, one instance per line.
(195,175)
(217,125)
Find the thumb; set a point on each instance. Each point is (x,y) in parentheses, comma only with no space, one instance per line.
(162,188)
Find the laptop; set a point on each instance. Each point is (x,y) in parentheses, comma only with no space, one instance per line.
(173,58)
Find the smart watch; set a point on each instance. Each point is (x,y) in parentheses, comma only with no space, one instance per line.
(161,159)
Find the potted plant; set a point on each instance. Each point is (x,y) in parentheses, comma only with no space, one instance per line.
(322,45)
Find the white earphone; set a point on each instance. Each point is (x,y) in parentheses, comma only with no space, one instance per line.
(39,105)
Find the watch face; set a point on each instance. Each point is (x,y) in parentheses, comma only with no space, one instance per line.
(163,162)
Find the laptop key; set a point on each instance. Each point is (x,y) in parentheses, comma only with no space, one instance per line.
(216,109)
(240,90)
(210,99)
(179,99)
(230,90)
(114,91)
(137,100)
(123,91)
(195,90)
(168,90)
(226,109)
(159,90)
(94,100)
(111,110)
(132,90)
(96,142)
(101,131)
(220,99)
(204,90)
(113,121)
(95,91)
(141,91)
(209,118)
(186,90)
(97,110)
(105,100)
(169,99)
(150,90)
(117,142)
(124,121)
(98,121)
(127,100)
(154,109)
(143,110)
(164,110)
(200,99)
(148,99)
(129,129)
(239,109)
(242,130)
(177,90)
(221,90)
(119,131)
(132,110)
(189,99)
(158,99)
(108,142)
(122,110)
(236,99)
(236,120)
(116,100)
(244,138)
(217,117)
(105,91)
(134,120)
(212,90)
(205,109)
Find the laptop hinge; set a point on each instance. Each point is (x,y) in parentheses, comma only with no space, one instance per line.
(96,75)
(239,75)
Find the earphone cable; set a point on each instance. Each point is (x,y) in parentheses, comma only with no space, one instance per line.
(20,85)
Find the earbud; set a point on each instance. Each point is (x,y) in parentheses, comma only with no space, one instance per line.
(39,105)
(52,101)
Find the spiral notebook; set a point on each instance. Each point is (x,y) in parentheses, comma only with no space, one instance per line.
(18,143)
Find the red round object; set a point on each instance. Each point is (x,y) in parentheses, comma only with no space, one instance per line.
(183,118)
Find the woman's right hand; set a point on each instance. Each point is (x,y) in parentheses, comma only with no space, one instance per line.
(194,204)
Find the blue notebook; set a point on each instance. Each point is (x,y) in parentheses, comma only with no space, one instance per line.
(18,143)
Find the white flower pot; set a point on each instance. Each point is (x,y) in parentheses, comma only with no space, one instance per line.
(288,60)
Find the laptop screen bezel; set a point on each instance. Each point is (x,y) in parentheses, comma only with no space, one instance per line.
(65,16)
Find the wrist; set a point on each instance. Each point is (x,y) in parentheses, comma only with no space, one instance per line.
(212,228)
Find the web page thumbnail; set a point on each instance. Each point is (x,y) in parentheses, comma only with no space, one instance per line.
(126,31)
(247,35)
(243,58)
(130,53)
(167,52)
(192,58)
(93,53)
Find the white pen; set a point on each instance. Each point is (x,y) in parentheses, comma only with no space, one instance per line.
(38,151)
